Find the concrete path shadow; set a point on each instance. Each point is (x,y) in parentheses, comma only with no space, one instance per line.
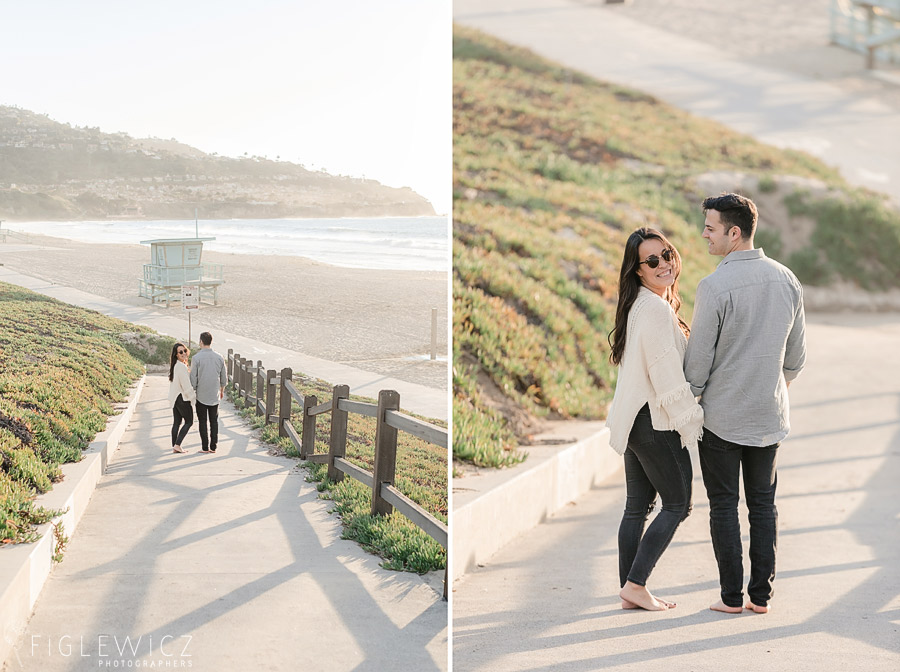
(548,601)
(225,561)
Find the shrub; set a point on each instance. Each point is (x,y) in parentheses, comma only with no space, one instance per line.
(770,241)
(767,184)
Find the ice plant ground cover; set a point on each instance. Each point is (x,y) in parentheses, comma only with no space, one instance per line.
(62,369)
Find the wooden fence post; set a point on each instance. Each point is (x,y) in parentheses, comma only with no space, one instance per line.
(338,443)
(260,386)
(245,377)
(284,408)
(248,384)
(229,364)
(239,376)
(385,451)
(308,436)
(270,394)
(236,380)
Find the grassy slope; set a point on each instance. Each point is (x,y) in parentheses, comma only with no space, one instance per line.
(61,370)
(552,171)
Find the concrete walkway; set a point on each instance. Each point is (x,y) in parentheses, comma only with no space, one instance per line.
(426,401)
(548,600)
(858,134)
(222,562)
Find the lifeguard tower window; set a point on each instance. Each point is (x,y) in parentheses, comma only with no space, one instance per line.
(175,262)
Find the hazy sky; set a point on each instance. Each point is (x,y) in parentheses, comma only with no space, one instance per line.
(355,87)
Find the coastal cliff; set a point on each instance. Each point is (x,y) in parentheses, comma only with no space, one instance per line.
(54,171)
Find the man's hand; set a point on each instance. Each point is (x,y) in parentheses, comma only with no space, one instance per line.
(221,393)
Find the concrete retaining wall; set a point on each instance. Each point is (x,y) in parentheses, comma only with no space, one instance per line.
(491,508)
(24,568)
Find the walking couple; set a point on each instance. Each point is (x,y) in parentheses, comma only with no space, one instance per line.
(201,381)
(746,344)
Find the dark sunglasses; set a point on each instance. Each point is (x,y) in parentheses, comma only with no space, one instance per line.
(653,261)
(182,351)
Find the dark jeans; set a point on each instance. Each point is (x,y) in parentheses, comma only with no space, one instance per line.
(655,463)
(181,412)
(722,462)
(204,411)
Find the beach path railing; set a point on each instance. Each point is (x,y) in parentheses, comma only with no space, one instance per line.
(256,388)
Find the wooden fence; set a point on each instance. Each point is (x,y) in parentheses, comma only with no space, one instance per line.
(257,387)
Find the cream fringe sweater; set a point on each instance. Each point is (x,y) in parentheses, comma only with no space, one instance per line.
(181,384)
(651,372)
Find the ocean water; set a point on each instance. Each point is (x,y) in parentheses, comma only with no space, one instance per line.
(395,243)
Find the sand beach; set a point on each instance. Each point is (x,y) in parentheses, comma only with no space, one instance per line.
(375,320)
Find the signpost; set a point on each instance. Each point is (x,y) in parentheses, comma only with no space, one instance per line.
(190,301)
(433,333)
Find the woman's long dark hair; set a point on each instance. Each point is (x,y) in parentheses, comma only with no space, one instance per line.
(630,285)
(174,359)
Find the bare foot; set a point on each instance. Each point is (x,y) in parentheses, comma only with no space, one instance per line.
(631,605)
(725,609)
(178,449)
(639,596)
(756,608)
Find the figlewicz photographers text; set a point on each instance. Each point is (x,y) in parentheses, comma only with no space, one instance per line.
(115,652)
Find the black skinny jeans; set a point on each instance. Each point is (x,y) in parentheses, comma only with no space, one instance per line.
(655,463)
(182,411)
(205,412)
(722,462)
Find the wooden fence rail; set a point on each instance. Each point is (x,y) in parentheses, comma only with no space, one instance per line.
(256,388)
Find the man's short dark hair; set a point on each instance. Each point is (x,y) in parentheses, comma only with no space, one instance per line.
(734,210)
(206,338)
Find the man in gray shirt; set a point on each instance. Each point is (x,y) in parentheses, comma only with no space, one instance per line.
(208,378)
(747,343)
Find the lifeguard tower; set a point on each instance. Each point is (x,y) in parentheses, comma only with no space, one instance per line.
(870,27)
(175,262)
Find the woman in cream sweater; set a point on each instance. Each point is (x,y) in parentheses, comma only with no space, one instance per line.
(181,396)
(654,416)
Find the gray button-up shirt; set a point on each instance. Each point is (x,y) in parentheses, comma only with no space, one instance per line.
(748,337)
(208,375)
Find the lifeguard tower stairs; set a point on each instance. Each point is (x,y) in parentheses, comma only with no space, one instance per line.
(175,262)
